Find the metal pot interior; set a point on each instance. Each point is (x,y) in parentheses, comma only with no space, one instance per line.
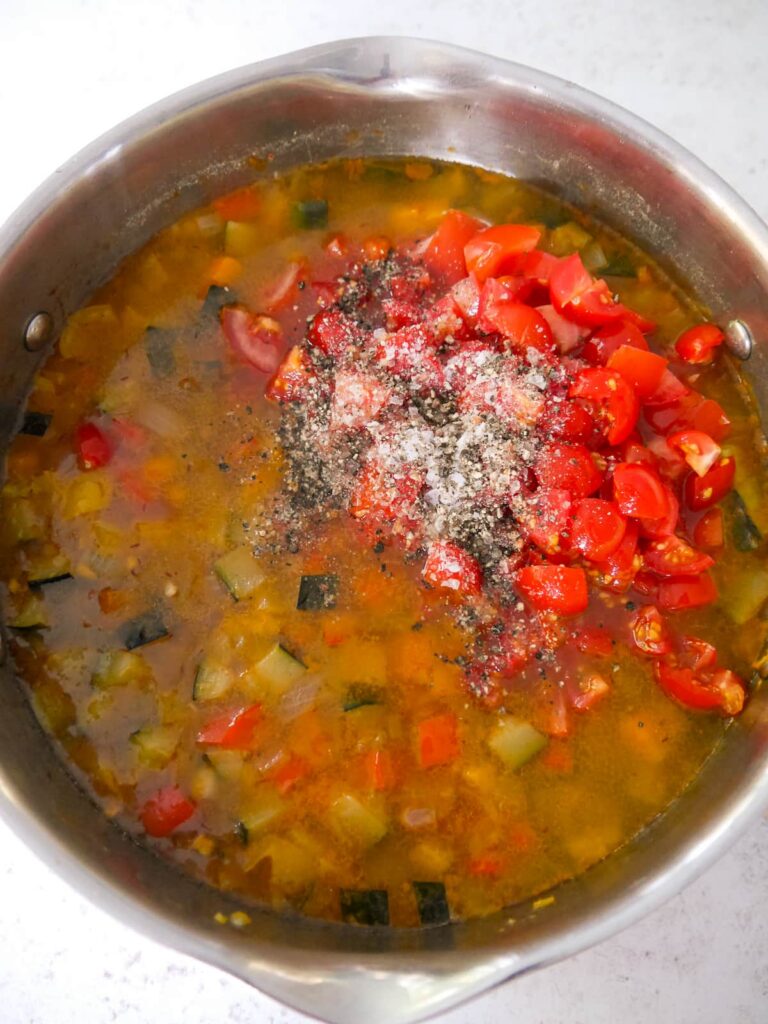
(374,97)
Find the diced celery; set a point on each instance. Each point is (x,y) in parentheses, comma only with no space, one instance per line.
(228,764)
(515,742)
(156,744)
(212,680)
(354,821)
(120,668)
(240,573)
(279,669)
(746,595)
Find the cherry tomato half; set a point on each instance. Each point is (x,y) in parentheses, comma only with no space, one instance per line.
(554,588)
(93,447)
(684,592)
(639,491)
(489,251)
(450,567)
(703,491)
(700,451)
(643,370)
(698,344)
(598,528)
(611,399)
(444,254)
(569,467)
(649,631)
(673,557)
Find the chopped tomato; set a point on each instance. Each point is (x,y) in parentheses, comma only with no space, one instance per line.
(731,689)
(669,461)
(93,447)
(593,640)
(466,296)
(700,451)
(358,398)
(444,255)
(521,325)
(610,338)
(283,289)
(698,344)
(293,378)
(708,416)
(724,691)
(611,399)
(684,592)
(673,557)
(598,528)
(551,512)
(233,729)
(536,265)
(242,205)
(643,370)
(439,740)
(697,654)
(289,773)
(649,631)
(554,588)
(450,567)
(670,390)
(708,533)
(569,467)
(665,525)
(618,570)
(409,354)
(333,332)
(588,691)
(703,491)
(491,251)
(383,495)
(639,491)
(586,300)
(255,339)
(569,421)
(567,335)
(166,811)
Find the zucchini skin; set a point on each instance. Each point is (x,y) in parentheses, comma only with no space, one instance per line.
(317,593)
(35,424)
(158,344)
(312,213)
(368,907)
(432,903)
(44,581)
(143,630)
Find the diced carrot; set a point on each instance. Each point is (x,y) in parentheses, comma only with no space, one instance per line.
(111,600)
(289,773)
(439,740)
(379,770)
(225,270)
(244,204)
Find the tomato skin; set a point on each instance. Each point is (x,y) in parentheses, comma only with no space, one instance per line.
(639,492)
(522,325)
(233,729)
(554,588)
(493,249)
(702,491)
(708,533)
(93,447)
(682,685)
(569,467)
(551,512)
(593,640)
(641,369)
(333,332)
(282,291)
(673,557)
(569,421)
(649,631)
(698,344)
(166,811)
(292,379)
(700,451)
(567,335)
(439,741)
(608,339)
(613,401)
(256,340)
(697,654)
(665,525)
(450,567)
(444,255)
(598,528)
(683,592)
(589,690)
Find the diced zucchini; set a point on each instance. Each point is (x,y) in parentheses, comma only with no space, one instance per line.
(48,566)
(353,821)
(568,238)
(317,593)
(515,742)
(215,298)
(292,869)
(158,344)
(44,581)
(240,573)
(261,812)
(35,424)
(227,764)
(593,257)
(432,903)
(156,744)
(361,695)
(241,238)
(119,668)
(30,615)
(279,669)
(746,535)
(23,521)
(619,266)
(212,681)
(312,213)
(143,630)
(746,595)
(364,906)
(204,782)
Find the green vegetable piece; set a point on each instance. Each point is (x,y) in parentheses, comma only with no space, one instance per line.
(119,668)
(432,903)
(317,593)
(31,615)
(35,424)
(240,572)
(745,595)
(156,744)
(44,581)
(746,535)
(619,265)
(211,681)
(144,629)
(158,344)
(361,695)
(311,213)
(364,906)
(515,742)
(355,822)
(279,668)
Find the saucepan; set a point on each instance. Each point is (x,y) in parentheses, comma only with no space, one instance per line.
(374,96)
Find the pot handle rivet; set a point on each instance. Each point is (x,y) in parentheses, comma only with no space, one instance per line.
(38,332)
(739,340)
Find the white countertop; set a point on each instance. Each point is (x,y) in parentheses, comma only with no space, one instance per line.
(70,69)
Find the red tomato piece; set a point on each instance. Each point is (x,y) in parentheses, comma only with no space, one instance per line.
(673,557)
(598,528)
(489,865)
(698,344)
(444,255)
(670,390)
(709,417)
(382,495)
(649,631)
(639,491)
(567,335)
(569,421)
(450,567)
(669,461)
(586,300)
(536,265)
(255,339)
(289,773)
(608,339)
(643,370)
(358,398)
(708,533)
(619,570)
(697,654)
(333,332)
(439,740)
(698,448)
(569,467)
(732,691)
(593,640)
(550,511)
(93,447)
(612,401)
(521,325)
(466,296)
(283,289)
(166,811)
(233,729)
(588,691)
(242,205)
(556,588)
(665,525)
(410,354)
(491,251)
(703,491)
(293,378)
(682,685)
(684,592)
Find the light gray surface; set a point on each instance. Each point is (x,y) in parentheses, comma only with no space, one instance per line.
(700,73)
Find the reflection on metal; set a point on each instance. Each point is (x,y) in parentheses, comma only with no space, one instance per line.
(39,332)
(738,339)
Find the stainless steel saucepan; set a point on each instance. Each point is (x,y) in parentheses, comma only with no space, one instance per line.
(373,96)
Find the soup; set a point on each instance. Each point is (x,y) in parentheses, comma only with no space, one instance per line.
(372,562)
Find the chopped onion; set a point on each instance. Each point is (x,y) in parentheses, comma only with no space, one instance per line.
(160,419)
(209,224)
(418,817)
(300,698)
